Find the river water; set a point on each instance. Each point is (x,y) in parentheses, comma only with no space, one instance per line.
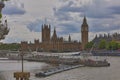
(7,68)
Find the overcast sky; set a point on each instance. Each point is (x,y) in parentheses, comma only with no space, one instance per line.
(25,18)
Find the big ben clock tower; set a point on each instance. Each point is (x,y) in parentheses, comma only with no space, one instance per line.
(84,33)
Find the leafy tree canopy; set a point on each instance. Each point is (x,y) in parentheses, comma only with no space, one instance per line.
(102,44)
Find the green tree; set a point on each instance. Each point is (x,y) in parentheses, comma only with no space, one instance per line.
(113,45)
(102,44)
(13,46)
(0,15)
(89,45)
(118,45)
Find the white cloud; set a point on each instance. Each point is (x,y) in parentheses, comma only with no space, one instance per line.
(65,15)
(13,8)
(20,33)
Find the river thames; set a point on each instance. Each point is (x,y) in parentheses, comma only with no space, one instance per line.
(7,68)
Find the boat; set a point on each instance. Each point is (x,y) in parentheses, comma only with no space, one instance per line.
(91,61)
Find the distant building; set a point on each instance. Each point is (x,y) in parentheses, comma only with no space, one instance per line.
(57,44)
(107,37)
(51,44)
(84,33)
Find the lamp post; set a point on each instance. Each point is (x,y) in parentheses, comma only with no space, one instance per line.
(22,55)
(22,75)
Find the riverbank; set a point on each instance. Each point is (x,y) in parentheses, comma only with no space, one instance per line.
(106,53)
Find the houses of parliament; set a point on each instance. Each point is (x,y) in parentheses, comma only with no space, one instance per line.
(57,44)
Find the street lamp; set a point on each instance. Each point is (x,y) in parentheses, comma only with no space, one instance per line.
(22,75)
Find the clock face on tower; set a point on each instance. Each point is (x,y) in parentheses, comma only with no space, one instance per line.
(86,29)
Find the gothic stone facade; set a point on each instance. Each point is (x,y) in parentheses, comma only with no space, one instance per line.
(84,33)
(57,44)
(107,37)
(52,44)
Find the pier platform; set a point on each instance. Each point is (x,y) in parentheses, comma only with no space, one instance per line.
(57,70)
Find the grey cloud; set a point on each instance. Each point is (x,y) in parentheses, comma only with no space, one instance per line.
(63,16)
(105,26)
(100,11)
(67,28)
(97,9)
(35,26)
(70,27)
(115,9)
(69,8)
(13,39)
(14,9)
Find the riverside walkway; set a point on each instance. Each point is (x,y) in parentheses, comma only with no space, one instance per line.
(55,60)
(3,58)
